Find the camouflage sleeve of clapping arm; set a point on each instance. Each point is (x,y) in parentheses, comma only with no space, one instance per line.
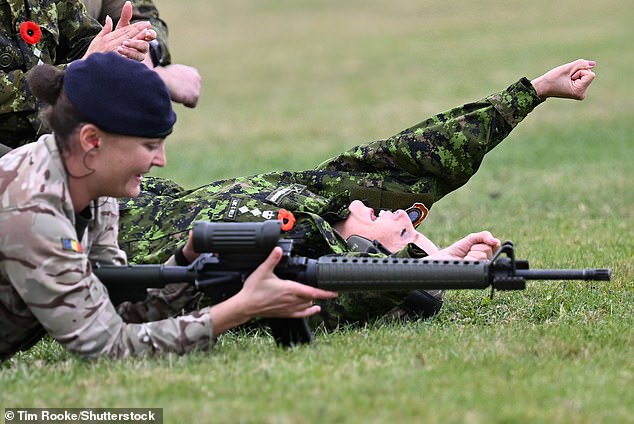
(71,303)
(76,29)
(441,153)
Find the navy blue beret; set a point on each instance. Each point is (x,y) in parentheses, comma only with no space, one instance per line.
(120,95)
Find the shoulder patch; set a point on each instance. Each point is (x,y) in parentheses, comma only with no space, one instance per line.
(234,204)
(277,195)
(72,245)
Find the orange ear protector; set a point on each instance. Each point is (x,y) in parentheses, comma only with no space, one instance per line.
(417,213)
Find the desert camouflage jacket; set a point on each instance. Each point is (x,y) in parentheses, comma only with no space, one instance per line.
(66,29)
(46,278)
(420,164)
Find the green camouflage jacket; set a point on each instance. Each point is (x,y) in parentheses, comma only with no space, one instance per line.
(67,30)
(420,164)
(46,278)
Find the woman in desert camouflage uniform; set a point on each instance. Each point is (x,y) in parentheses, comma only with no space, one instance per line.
(59,215)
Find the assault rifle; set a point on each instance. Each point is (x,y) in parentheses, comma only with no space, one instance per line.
(240,247)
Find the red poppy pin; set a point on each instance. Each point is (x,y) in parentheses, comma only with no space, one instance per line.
(30,32)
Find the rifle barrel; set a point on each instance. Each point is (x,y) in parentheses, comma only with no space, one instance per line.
(596,274)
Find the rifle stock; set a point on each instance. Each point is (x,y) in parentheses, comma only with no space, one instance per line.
(240,247)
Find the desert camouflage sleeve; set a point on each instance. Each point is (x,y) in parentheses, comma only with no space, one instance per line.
(55,280)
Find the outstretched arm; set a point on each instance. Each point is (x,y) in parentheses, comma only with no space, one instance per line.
(425,162)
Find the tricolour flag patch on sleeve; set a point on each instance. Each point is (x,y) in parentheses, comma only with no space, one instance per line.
(72,245)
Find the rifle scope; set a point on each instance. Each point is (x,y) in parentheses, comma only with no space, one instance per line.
(235,237)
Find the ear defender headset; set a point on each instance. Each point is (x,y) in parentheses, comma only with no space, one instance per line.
(417,213)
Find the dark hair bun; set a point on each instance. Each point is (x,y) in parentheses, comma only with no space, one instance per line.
(45,82)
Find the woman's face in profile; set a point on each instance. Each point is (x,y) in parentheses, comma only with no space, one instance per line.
(394,230)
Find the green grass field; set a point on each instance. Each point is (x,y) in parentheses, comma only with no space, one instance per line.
(287,84)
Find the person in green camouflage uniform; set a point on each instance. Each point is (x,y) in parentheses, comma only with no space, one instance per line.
(420,164)
(58,216)
(67,33)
